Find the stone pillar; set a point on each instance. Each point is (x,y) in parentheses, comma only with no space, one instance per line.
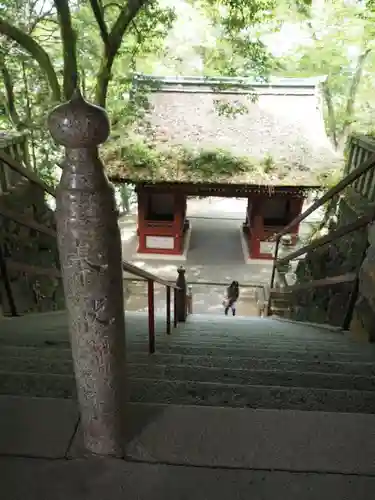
(181,295)
(90,256)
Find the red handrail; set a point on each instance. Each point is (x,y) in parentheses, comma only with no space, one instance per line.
(151,317)
(151,280)
(168,290)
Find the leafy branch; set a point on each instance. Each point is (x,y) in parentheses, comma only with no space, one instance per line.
(36,51)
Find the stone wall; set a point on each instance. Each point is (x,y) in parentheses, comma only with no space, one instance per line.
(363,320)
(31,292)
(329,304)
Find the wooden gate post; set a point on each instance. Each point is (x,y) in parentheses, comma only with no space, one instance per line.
(90,257)
(181,295)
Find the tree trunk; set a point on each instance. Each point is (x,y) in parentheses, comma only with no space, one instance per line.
(112,43)
(103,78)
(352,94)
(68,38)
(10,97)
(332,124)
(36,51)
(125,198)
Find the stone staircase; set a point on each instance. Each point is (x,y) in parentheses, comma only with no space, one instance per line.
(280,304)
(211,360)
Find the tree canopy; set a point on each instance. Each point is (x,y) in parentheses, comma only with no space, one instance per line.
(48,47)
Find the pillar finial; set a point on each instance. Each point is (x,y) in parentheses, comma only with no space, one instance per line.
(78,124)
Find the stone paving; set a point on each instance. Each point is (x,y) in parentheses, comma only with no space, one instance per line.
(215,256)
(182,451)
(109,479)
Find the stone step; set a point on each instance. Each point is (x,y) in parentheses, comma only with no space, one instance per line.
(55,325)
(280,301)
(242,343)
(223,357)
(363,368)
(225,341)
(198,393)
(341,343)
(248,363)
(187,332)
(184,331)
(197,349)
(45,351)
(204,374)
(254,351)
(253,377)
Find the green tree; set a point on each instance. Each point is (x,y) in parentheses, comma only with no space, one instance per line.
(98,42)
(112,22)
(340,46)
(44,49)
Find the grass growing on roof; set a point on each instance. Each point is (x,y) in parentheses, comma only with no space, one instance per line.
(139,161)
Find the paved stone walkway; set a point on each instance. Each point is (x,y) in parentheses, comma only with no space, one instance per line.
(215,242)
(98,479)
(215,256)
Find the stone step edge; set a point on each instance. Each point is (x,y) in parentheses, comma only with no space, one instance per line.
(245,335)
(145,354)
(189,329)
(355,348)
(172,367)
(211,384)
(310,324)
(229,349)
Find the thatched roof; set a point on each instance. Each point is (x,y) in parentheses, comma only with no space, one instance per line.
(276,128)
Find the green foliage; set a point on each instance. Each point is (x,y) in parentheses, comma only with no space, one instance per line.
(201,37)
(145,41)
(133,159)
(136,160)
(239,51)
(330,178)
(269,164)
(230,110)
(338,43)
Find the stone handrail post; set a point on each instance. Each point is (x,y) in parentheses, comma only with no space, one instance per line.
(189,300)
(90,257)
(181,309)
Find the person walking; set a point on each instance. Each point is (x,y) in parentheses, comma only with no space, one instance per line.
(233,292)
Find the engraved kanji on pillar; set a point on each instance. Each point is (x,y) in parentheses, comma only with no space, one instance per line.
(90,255)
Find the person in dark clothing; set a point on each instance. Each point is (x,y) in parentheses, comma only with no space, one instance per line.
(233,292)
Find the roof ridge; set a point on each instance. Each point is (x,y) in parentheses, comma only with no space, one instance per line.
(229,82)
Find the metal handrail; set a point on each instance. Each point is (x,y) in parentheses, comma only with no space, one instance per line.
(7,264)
(361,222)
(333,236)
(151,280)
(141,273)
(28,174)
(329,281)
(344,183)
(354,175)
